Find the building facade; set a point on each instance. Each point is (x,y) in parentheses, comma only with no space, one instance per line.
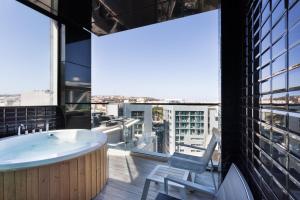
(190,125)
(143,113)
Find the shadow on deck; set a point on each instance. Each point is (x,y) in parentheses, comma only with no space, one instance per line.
(127,175)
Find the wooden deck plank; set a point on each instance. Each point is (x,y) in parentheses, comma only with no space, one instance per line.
(94,178)
(98,170)
(55,182)
(127,175)
(8,187)
(65,176)
(44,183)
(32,184)
(21,184)
(88,178)
(74,179)
(1,187)
(81,178)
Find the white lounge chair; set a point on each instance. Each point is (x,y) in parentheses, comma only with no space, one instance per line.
(197,164)
(234,187)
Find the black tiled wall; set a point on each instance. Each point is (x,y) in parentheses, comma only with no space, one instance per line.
(30,117)
(271,97)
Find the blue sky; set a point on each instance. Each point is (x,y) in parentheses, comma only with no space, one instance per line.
(175,59)
(24,49)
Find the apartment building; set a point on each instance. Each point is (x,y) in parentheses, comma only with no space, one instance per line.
(141,112)
(190,125)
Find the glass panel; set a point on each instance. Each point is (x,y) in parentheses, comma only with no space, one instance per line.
(77,75)
(266,116)
(279,101)
(280,155)
(265,174)
(78,115)
(266,28)
(294,14)
(279,98)
(79,52)
(294,101)
(265,72)
(265,130)
(77,95)
(294,56)
(265,58)
(26,77)
(264,2)
(266,160)
(265,99)
(279,191)
(256,26)
(294,122)
(265,86)
(279,47)
(291,2)
(280,174)
(279,64)
(279,29)
(274,3)
(256,39)
(266,12)
(277,13)
(294,144)
(279,82)
(265,145)
(294,188)
(294,35)
(265,43)
(279,119)
(294,167)
(279,137)
(256,12)
(294,80)
(256,50)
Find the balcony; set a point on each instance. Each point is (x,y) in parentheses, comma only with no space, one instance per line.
(127,175)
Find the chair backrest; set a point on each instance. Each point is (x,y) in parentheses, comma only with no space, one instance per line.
(234,186)
(210,147)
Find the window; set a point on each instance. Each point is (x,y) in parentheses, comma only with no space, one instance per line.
(26,76)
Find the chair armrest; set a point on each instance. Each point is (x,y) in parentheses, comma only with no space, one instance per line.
(189,185)
(191,146)
(188,164)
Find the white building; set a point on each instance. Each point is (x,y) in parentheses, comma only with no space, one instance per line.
(36,97)
(141,112)
(190,125)
(114,109)
(9,100)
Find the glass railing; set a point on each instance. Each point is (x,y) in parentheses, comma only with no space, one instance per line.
(157,133)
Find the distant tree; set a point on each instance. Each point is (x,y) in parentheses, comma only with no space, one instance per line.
(157,113)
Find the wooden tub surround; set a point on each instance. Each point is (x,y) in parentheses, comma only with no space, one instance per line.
(76,179)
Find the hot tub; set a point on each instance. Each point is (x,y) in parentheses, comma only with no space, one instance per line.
(61,164)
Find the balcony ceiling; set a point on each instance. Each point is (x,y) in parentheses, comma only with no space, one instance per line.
(103,17)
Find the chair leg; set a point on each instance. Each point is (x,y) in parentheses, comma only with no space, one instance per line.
(146,189)
(183,193)
(212,175)
(193,176)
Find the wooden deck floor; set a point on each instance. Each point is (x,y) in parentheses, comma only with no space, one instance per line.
(127,176)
